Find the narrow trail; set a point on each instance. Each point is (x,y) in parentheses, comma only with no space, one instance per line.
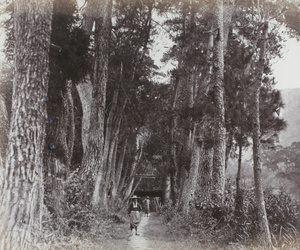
(139,241)
(153,234)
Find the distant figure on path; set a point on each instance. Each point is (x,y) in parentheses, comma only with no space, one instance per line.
(147,205)
(134,212)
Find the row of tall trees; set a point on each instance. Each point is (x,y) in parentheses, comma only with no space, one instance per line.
(86,115)
(232,38)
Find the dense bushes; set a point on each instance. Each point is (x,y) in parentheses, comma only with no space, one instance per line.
(77,219)
(282,212)
(211,223)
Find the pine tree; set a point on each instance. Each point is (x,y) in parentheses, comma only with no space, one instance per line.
(22,190)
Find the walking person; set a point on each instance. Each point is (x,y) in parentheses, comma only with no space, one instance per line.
(134,211)
(147,206)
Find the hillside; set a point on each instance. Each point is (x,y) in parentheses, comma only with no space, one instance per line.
(291,114)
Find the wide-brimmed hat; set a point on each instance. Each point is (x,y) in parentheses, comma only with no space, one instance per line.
(134,197)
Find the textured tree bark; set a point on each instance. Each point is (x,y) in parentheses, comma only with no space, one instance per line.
(228,11)
(173,145)
(113,170)
(191,182)
(265,235)
(136,164)
(239,194)
(167,188)
(173,159)
(111,173)
(228,148)
(122,183)
(218,176)
(110,136)
(85,89)
(22,189)
(119,168)
(128,190)
(58,161)
(205,173)
(4,125)
(92,169)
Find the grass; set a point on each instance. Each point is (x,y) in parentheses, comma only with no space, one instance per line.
(158,235)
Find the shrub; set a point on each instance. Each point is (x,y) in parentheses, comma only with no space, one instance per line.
(209,222)
(78,219)
(282,212)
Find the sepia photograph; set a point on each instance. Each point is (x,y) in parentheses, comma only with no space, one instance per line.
(149,124)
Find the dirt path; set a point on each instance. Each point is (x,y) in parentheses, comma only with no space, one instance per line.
(140,241)
(153,234)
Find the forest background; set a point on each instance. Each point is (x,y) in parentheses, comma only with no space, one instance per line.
(85,114)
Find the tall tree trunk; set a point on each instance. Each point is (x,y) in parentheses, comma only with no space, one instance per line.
(113,154)
(136,165)
(4,126)
(22,190)
(239,195)
(92,169)
(85,90)
(122,182)
(257,169)
(114,172)
(205,172)
(133,188)
(173,132)
(128,190)
(166,199)
(218,180)
(173,169)
(228,11)
(110,172)
(265,235)
(228,148)
(119,169)
(101,186)
(173,145)
(112,130)
(191,181)
(206,133)
(61,132)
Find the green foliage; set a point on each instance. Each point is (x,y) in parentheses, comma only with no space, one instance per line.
(282,212)
(69,59)
(69,52)
(76,227)
(209,222)
(79,220)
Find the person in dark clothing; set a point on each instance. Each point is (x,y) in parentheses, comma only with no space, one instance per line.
(134,211)
(147,206)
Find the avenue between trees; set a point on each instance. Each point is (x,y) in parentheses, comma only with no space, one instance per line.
(83,122)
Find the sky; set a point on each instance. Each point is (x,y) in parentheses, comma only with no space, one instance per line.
(287,69)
